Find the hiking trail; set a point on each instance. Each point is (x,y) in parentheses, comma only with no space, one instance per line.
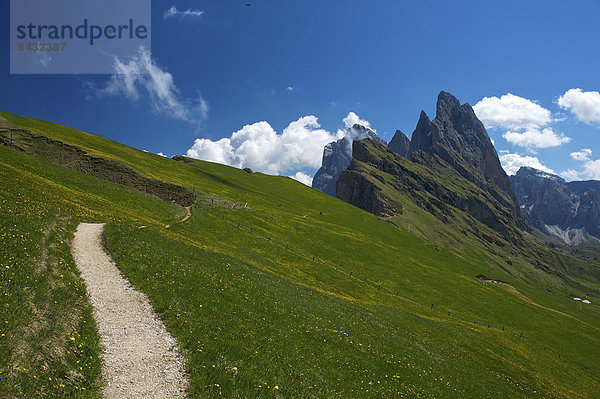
(140,359)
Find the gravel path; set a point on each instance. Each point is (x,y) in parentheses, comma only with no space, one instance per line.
(140,358)
(188,213)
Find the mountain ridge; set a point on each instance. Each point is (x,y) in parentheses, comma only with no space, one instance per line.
(453,146)
(567,210)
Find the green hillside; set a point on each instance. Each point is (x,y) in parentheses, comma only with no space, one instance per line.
(274,289)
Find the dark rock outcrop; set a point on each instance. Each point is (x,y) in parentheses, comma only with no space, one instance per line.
(337,156)
(569,211)
(460,139)
(400,144)
(356,189)
(421,137)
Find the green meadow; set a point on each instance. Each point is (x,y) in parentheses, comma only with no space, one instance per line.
(275,290)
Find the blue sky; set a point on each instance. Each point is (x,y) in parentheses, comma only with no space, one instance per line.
(285,74)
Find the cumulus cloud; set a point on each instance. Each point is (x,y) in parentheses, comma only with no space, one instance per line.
(511,112)
(259,147)
(290,88)
(583,155)
(512,162)
(570,175)
(174,12)
(141,74)
(299,147)
(524,121)
(353,119)
(303,178)
(585,105)
(590,168)
(536,138)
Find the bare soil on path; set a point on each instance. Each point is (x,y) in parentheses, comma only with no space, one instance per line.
(140,358)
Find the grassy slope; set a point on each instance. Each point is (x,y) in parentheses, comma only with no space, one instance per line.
(48,343)
(252,316)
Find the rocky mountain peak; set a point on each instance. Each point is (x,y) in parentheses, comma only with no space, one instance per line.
(526,172)
(400,144)
(421,137)
(455,137)
(446,105)
(337,156)
(459,138)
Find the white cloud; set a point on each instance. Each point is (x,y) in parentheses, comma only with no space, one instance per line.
(260,148)
(303,178)
(511,163)
(174,12)
(591,170)
(511,112)
(570,175)
(583,155)
(290,88)
(585,105)
(161,154)
(353,119)
(536,138)
(141,74)
(524,120)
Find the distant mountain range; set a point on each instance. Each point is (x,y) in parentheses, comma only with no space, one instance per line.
(569,211)
(455,146)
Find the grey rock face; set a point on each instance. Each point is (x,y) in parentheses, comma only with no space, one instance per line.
(337,156)
(459,138)
(400,144)
(354,188)
(569,211)
(421,137)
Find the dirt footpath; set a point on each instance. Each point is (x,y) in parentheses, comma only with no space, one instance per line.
(140,358)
